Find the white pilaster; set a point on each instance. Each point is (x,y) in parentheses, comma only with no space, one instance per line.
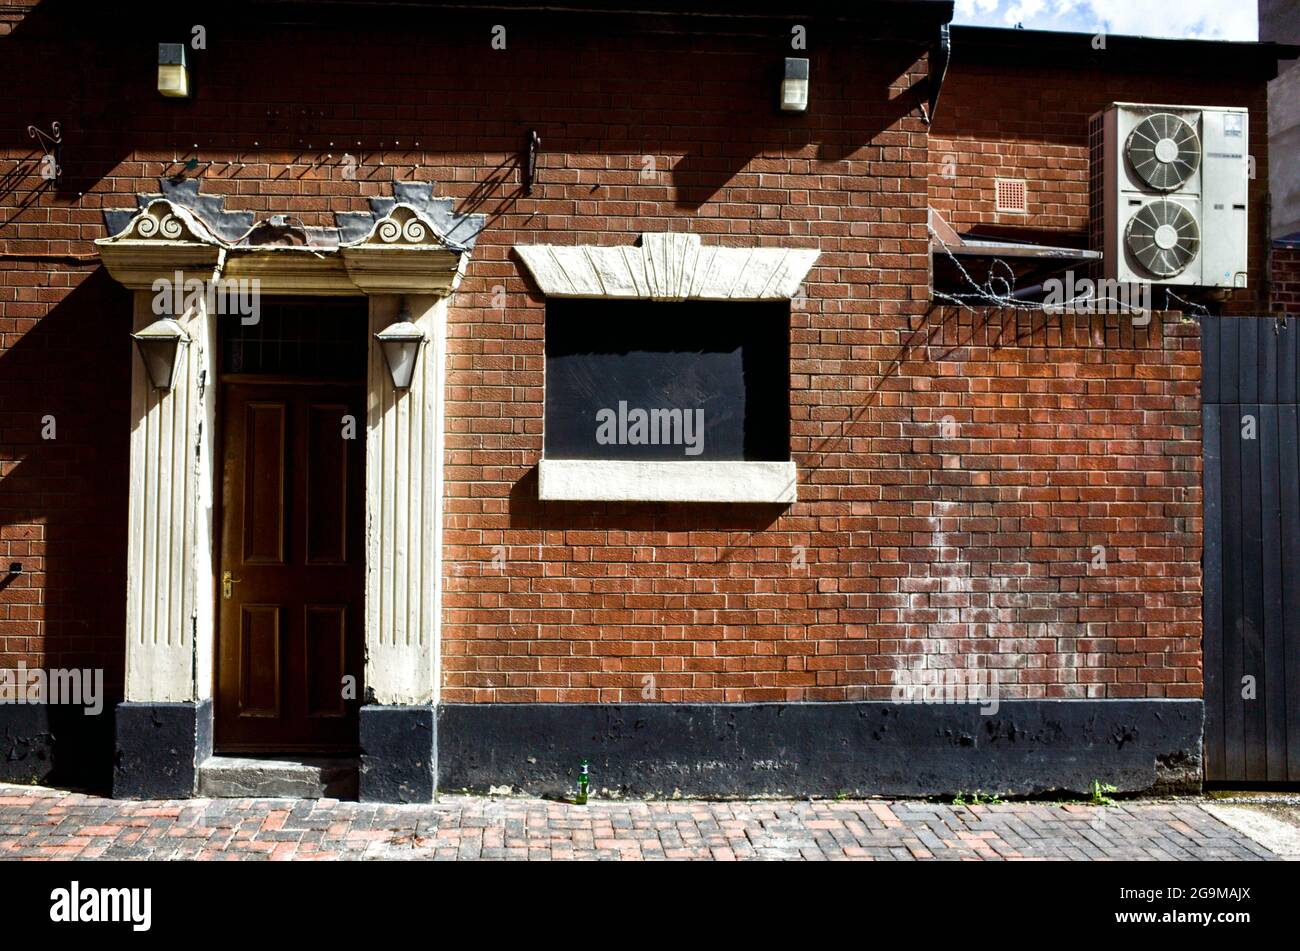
(404,474)
(169,613)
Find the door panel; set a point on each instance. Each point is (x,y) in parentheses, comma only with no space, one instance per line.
(264,477)
(327,484)
(259,660)
(290,618)
(325,649)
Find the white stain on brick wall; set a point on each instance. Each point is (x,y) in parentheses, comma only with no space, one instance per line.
(951,607)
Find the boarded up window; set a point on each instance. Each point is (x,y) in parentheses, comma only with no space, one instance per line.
(643,380)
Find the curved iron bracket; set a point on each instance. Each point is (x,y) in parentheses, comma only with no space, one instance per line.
(51,144)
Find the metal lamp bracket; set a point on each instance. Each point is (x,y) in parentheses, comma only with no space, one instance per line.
(52,147)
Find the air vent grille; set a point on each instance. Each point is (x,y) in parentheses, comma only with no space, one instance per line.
(1012,195)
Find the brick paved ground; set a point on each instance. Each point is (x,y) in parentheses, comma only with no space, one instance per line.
(39,823)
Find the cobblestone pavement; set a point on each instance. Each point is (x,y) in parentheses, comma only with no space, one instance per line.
(39,823)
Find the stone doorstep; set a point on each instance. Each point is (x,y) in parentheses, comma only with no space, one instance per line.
(266,777)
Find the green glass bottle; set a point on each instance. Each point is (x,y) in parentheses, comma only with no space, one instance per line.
(583,780)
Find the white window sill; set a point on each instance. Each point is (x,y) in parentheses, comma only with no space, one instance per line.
(594,480)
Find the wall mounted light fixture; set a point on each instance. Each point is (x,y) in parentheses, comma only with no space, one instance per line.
(173,76)
(401,343)
(162,348)
(794,85)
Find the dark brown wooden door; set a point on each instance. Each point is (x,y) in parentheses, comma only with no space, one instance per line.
(290,625)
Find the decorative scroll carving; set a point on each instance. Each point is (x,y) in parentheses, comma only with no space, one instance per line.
(404,227)
(163,221)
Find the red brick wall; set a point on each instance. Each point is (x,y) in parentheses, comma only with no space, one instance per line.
(895,550)
(1008,120)
(979,544)
(595,599)
(1285,287)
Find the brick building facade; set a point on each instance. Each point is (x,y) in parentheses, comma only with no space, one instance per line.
(957,469)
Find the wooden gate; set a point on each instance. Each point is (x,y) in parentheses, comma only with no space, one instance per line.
(1250,394)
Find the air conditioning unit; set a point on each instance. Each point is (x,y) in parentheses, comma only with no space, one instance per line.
(1169,190)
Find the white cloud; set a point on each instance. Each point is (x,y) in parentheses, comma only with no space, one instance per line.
(972,8)
(1021,10)
(1208,19)
(1218,19)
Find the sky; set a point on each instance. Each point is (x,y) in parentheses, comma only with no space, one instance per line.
(1195,19)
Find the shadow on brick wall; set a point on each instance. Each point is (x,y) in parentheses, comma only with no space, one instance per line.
(64,389)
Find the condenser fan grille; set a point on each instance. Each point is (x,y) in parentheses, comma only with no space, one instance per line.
(1164,150)
(1163,237)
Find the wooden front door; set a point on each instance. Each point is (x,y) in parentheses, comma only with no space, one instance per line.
(291,583)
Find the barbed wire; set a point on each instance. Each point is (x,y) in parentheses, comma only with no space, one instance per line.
(986,291)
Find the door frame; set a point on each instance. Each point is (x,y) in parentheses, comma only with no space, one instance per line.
(172,584)
(407,254)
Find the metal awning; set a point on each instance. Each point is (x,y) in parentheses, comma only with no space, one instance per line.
(945,238)
(982,247)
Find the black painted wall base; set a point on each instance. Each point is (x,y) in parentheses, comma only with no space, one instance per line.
(709,750)
(823,749)
(56,745)
(399,753)
(160,747)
